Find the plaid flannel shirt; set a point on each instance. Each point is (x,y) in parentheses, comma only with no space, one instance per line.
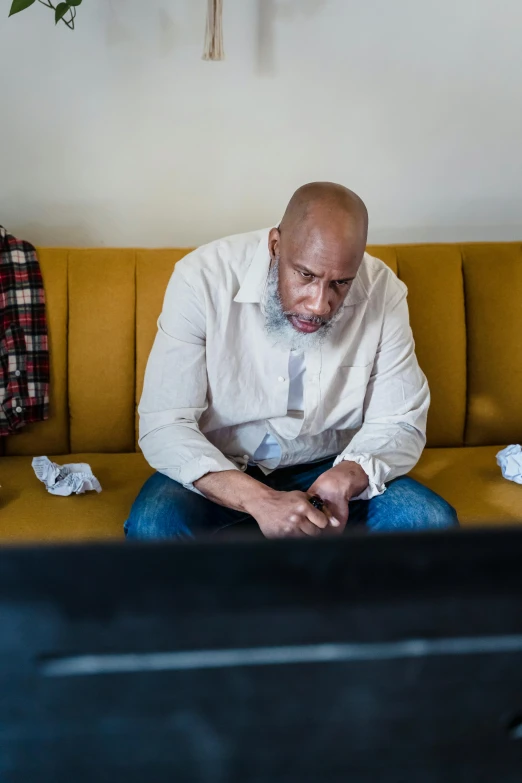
(24,352)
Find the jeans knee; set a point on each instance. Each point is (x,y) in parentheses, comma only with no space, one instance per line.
(441,514)
(162,510)
(408,505)
(143,525)
(140,526)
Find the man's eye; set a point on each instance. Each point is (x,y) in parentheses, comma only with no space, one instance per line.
(307,275)
(344,282)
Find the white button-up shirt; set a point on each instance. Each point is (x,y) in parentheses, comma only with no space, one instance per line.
(269,449)
(216,383)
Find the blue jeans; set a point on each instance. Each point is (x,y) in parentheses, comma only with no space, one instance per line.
(165,509)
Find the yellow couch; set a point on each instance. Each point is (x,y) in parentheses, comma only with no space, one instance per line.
(466,312)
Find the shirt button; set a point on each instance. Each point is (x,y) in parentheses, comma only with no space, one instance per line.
(281,379)
(18,409)
(17,373)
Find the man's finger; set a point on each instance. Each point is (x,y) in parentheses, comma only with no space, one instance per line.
(317,517)
(309,529)
(312,513)
(337,512)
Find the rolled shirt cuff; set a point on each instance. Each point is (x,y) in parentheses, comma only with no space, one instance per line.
(376,470)
(200,466)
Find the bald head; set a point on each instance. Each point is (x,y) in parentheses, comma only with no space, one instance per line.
(320,205)
(317,251)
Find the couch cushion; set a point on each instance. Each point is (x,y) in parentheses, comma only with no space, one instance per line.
(101,355)
(493,278)
(29,513)
(433,274)
(467,477)
(470,479)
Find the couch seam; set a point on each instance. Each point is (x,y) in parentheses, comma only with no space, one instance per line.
(466,345)
(134,410)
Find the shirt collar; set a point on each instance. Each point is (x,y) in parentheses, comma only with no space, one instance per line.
(358,292)
(253,285)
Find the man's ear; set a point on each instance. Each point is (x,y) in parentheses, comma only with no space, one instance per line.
(274,241)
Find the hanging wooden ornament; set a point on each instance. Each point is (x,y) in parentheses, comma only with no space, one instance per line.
(214,35)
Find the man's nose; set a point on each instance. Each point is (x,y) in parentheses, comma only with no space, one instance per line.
(319,304)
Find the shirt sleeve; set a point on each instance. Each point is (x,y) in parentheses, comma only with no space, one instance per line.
(175,393)
(24,348)
(393,435)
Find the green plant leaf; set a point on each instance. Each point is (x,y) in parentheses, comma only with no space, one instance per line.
(74,2)
(61,10)
(20,5)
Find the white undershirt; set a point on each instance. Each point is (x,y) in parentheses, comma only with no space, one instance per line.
(269,448)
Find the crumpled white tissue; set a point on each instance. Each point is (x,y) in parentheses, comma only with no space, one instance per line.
(510,461)
(65,479)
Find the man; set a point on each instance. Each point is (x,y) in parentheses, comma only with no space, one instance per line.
(284,368)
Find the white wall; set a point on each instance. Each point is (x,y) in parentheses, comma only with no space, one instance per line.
(119,134)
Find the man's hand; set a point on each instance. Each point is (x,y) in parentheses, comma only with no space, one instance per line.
(278,514)
(287,515)
(336,487)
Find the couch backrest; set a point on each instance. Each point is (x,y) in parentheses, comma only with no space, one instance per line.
(466,312)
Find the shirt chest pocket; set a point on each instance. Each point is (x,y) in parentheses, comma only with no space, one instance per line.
(343,400)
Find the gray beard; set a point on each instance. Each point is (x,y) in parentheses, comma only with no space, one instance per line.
(279,327)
